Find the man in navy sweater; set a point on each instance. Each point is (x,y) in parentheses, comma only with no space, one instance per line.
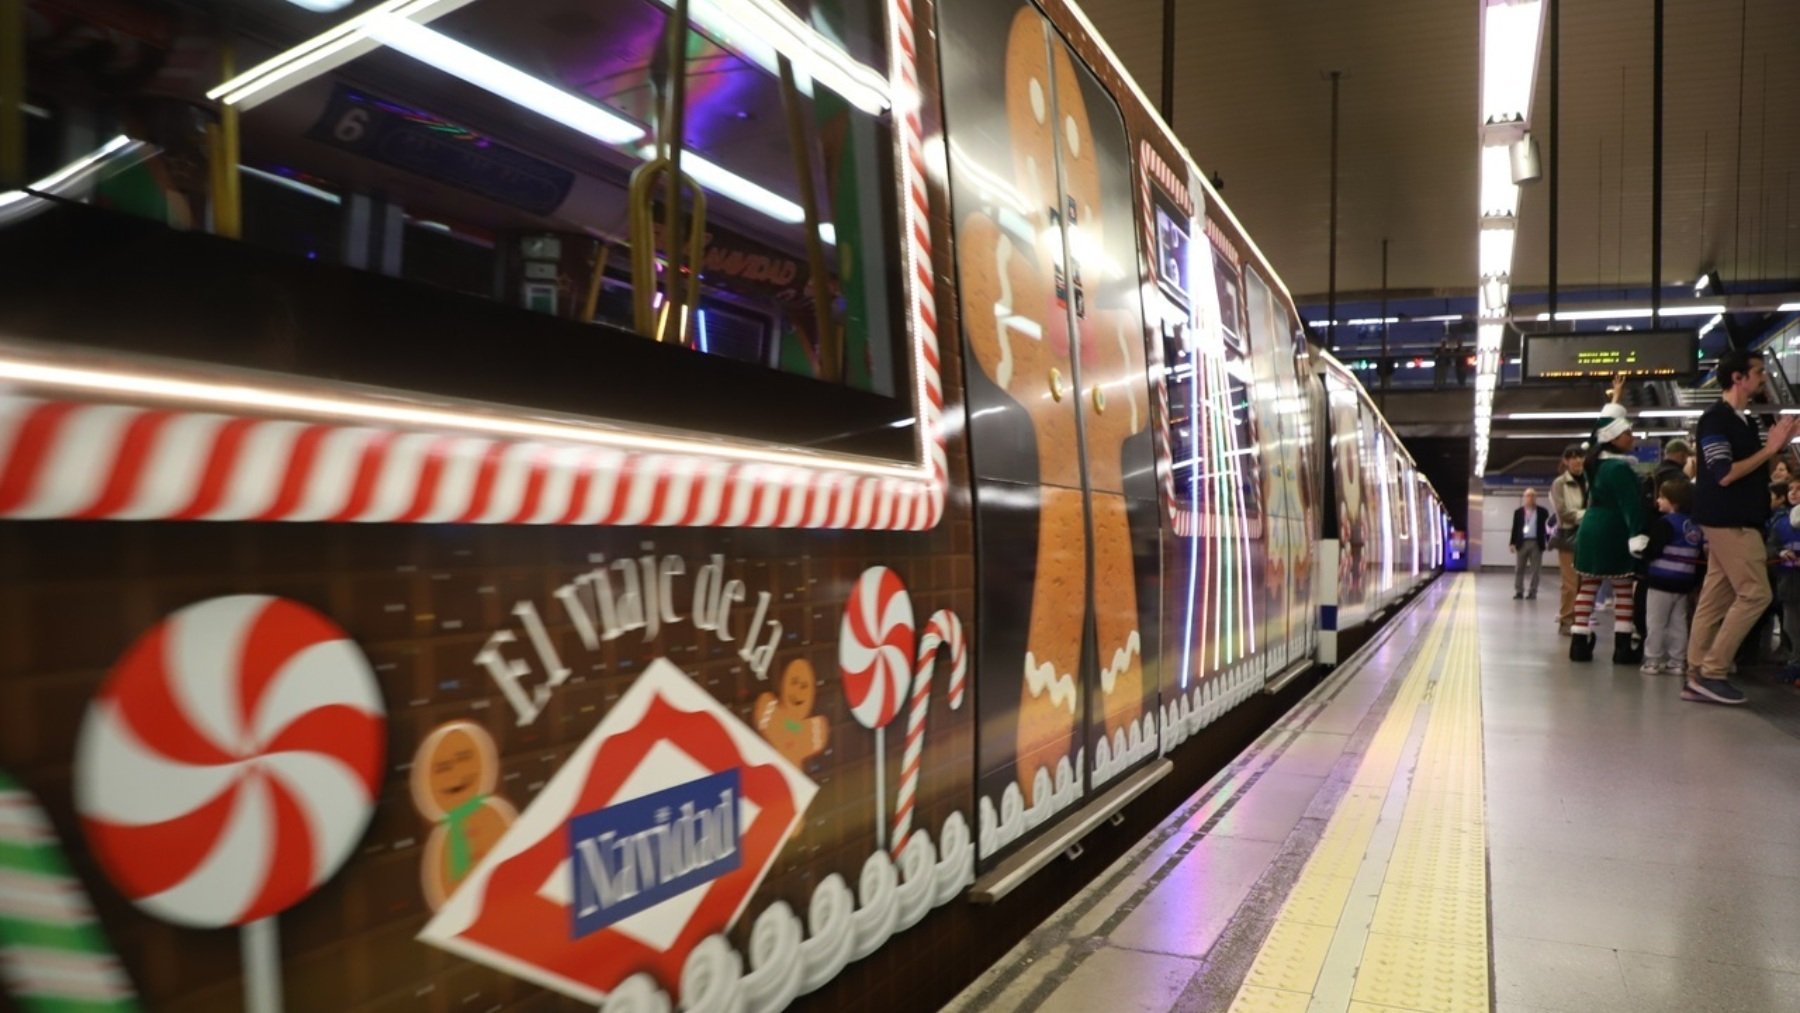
(1731,504)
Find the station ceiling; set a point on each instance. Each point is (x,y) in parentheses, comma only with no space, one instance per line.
(1252,104)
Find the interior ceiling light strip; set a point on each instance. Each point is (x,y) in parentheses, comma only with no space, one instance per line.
(71,180)
(763,31)
(322,53)
(1510,34)
(436,49)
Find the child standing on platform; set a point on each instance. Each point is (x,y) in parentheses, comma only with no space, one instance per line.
(1674,563)
(1784,554)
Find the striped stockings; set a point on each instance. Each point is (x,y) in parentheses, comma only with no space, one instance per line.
(1584,602)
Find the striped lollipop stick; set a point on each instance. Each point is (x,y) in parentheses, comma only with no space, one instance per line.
(53,956)
(875,652)
(942,630)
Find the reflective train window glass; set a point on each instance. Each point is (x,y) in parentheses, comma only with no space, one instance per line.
(516,151)
(1234,400)
(1183,271)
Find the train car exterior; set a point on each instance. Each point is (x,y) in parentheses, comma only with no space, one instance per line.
(625,503)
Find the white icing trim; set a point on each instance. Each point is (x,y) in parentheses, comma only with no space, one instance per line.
(1039,678)
(786,961)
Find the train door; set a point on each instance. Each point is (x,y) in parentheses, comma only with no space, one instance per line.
(1287,548)
(1059,415)
(1239,516)
(1354,525)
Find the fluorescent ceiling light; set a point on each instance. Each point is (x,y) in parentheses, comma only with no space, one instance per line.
(71,180)
(1636,312)
(1499,195)
(761,31)
(1707,328)
(321,6)
(1788,307)
(322,53)
(1648,413)
(1509,48)
(476,67)
(1496,251)
(1618,314)
(722,181)
(291,184)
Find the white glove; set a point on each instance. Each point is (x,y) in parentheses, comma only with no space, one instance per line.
(1638,544)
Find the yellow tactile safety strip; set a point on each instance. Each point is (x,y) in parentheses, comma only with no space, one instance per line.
(1426,946)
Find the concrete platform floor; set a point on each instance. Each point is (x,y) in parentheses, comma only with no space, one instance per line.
(1459,819)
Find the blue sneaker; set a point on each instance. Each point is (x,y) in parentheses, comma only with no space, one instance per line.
(1703,690)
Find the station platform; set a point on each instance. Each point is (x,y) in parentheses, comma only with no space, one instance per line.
(1458,818)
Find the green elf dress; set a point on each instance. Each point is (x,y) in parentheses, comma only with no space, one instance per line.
(1615,515)
(1610,530)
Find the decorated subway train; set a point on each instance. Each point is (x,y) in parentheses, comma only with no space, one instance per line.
(645,504)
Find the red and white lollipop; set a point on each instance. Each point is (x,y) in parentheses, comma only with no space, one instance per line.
(875,655)
(875,647)
(230,762)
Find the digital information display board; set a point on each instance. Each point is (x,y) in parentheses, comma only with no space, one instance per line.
(1664,354)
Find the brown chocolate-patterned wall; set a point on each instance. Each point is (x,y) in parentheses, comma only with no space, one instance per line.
(420,601)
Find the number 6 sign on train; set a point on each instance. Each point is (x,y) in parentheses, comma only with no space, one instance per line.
(228,767)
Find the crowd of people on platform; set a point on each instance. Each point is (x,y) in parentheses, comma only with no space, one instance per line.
(1701,558)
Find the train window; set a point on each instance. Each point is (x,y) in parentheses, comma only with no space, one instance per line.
(520,153)
(1234,403)
(1182,269)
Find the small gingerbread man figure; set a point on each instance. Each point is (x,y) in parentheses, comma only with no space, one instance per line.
(787,720)
(454,775)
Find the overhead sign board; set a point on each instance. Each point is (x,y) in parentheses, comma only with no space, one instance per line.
(1663,354)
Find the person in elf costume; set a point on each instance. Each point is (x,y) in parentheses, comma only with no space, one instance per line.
(1611,533)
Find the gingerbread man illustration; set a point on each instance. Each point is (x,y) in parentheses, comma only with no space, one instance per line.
(454,775)
(1019,294)
(1115,407)
(786,719)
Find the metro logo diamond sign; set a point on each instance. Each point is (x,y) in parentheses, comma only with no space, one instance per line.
(684,809)
(634,855)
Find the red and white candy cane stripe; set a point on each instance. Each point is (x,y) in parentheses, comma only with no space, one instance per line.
(1172,183)
(62,459)
(944,629)
(65,456)
(1224,244)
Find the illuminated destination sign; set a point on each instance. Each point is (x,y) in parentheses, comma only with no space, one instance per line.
(1667,354)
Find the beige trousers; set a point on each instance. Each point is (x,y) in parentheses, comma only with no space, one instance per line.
(1734,597)
(1571,581)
